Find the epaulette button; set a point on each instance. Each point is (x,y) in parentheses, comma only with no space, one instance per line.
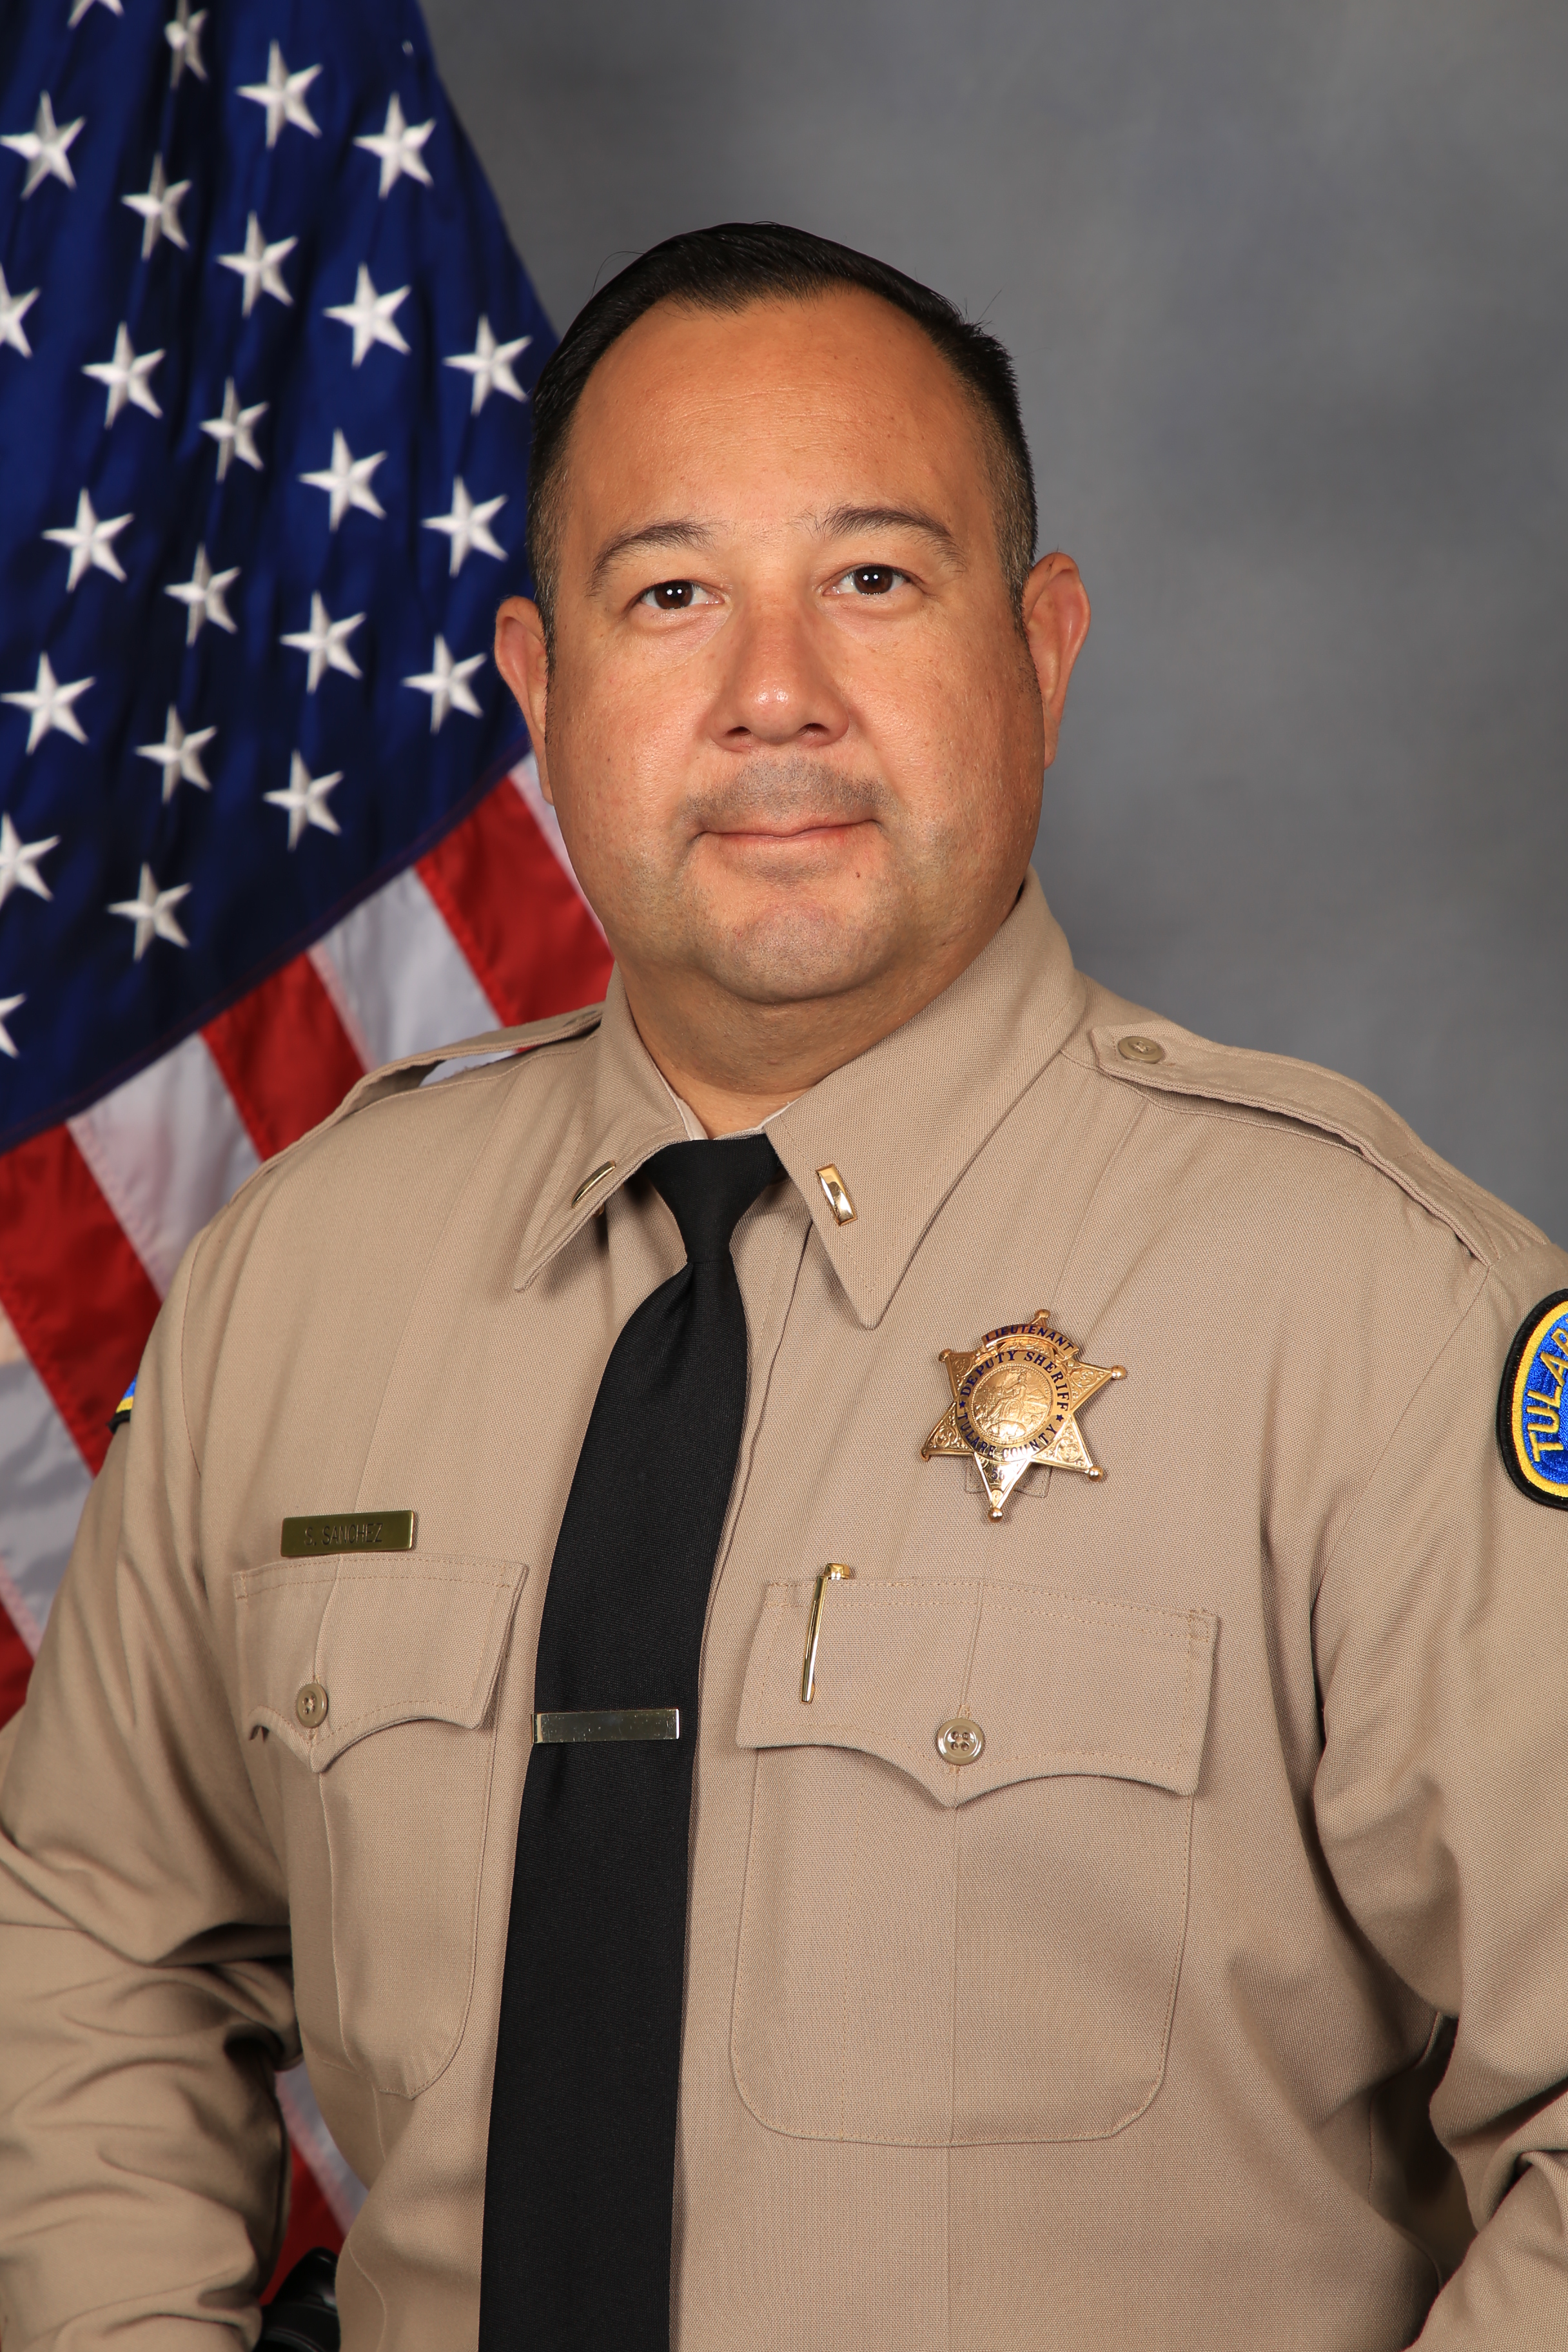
(1140,1049)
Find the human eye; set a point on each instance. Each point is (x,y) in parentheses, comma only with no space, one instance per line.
(867,580)
(676,596)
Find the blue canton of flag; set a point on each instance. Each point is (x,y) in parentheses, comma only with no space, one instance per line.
(265,354)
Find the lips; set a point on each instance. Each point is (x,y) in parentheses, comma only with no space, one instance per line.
(813,829)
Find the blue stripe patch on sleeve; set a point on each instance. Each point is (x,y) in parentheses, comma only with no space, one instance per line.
(1529,1404)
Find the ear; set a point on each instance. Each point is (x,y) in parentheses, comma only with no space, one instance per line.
(1056,617)
(523,661)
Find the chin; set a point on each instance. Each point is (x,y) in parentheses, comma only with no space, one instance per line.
(787,955)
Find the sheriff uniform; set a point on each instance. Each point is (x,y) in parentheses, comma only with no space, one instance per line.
(1091,1887)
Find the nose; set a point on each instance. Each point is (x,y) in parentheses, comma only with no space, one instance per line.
(777,687)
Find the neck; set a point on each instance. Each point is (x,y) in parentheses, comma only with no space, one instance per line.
(735,1063)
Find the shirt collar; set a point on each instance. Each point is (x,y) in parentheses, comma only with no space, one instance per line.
(695,1131)
(900,1124)
(627,1114)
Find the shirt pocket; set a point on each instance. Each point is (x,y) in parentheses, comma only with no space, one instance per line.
(406,1653)
(936,1953)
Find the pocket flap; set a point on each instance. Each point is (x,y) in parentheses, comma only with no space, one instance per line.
(1056,1683)
(389,1639)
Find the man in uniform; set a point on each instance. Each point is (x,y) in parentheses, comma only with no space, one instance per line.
(868,1649)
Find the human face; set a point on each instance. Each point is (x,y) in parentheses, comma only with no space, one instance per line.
(790,724)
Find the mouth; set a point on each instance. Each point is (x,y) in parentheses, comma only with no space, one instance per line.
(800,834)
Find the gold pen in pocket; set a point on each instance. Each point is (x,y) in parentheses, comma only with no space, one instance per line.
(834,1573)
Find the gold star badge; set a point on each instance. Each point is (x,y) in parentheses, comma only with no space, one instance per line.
(1014,1399)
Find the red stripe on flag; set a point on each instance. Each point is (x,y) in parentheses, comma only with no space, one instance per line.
(534,947)
(15,1665)
(311,2223)
(285,1055)
(76,1294)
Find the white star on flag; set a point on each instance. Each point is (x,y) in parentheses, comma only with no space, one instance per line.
(370,315)
(283,95)
(159,210)
(152,912)
(90,542)
(347,482)
(183,34)
(13,309)
(467,526)
(447,684)
(232,430)
(258,265)
(490,364)
(43,149)
(19,861)
(126,376)
(326,642)
(398,144)
(81,7)
(305,798)
(201,595)
(179,754)
(50,705)
(7,1006)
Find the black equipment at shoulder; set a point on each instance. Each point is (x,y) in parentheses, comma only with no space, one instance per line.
(303,2314)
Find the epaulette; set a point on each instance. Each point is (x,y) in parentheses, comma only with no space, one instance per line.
(1162,1058)
(412,1070)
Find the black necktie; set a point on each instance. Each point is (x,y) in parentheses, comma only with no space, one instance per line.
(580,2177)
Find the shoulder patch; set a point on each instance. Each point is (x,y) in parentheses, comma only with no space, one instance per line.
(121,1413)
(1529,1404)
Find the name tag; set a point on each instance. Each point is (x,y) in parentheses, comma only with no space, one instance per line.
(310,1538)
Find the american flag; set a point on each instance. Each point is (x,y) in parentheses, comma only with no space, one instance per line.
(267,816)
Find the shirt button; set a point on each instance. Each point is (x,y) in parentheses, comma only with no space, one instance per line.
(311,1705)
(959,1740)
(1140,1049)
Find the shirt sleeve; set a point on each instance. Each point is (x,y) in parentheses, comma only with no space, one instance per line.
(1441,1800)
(145,1993)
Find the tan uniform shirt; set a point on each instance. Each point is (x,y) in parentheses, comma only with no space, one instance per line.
(1119,2036)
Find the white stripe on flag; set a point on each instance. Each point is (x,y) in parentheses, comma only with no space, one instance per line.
(343,1004)
(45,1482)
(167,1149)
(406,981)
(339,2183)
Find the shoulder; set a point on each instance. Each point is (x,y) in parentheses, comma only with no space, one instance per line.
(496,1049)
(406,1135)
(326,1246)
(1304,1111)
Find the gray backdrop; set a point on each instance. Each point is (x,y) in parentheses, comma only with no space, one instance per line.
(1285,283)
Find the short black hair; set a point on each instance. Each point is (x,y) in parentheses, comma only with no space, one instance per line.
(726,268)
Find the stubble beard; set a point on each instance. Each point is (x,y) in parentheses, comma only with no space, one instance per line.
(783,940)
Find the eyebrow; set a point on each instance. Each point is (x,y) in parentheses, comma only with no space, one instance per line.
(677,532)
(842,522)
